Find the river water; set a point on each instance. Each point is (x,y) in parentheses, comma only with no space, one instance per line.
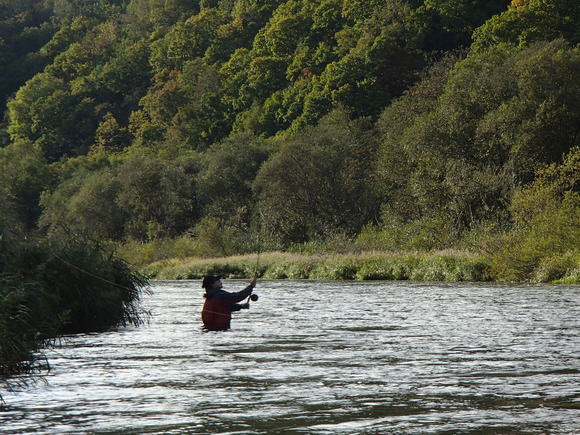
(322,358)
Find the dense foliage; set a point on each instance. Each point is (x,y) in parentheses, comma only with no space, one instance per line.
(229,126)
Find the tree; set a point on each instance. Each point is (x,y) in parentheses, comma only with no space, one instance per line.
(85,204)
(145,17)
(529,21)
(500,116)
(186,41)
(545,241)
(24,174)
(24,28)
(111,135)
(185,110)
(317,183)
(159,196)
(224,184)
(266,75)
(396,125)
(288,25)
(60,108)
(45,113)
(138,196)
(125,77)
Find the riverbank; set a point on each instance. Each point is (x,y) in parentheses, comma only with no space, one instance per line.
(447,266)
(444,266)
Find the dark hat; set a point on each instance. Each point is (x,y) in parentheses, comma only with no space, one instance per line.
(208,280)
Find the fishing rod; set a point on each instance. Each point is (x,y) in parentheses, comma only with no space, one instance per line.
(254,297)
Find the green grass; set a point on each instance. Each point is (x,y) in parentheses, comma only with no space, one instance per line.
(448,265)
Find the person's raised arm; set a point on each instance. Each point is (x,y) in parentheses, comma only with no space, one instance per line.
(240,296)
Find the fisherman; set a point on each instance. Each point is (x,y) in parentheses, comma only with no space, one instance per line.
(219,304)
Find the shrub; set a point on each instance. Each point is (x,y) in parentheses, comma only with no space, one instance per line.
(561,268)
(393,234)
(547,226)
(335,271)
(140,253)
(375,270)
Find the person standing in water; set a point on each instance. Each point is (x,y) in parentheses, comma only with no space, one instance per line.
(219,304)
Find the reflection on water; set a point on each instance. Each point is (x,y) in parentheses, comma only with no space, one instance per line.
(323,358)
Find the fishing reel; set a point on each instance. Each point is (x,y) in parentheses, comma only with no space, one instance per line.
(254,297)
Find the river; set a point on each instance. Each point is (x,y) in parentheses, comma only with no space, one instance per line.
(322,358)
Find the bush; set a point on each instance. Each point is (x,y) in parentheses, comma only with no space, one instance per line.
(547,227)
(140,254)
(335,271)
(375,271)
(424,234)
(216,239)
(572,277)
(558,268)
(94,288)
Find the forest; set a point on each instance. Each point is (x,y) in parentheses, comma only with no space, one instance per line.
(210,128)
(142,130)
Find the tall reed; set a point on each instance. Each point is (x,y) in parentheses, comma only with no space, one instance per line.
(50,288)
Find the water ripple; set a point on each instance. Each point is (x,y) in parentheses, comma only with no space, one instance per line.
(323,358)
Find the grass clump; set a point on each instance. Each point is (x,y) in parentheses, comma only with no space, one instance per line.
(335,270)
(22,333)
(560,269)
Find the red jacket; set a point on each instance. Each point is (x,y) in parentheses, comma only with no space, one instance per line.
(219,305)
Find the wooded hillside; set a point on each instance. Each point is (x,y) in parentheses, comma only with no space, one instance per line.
(224,124)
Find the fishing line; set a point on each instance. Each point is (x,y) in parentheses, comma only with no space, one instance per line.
(144,288)
(80,269)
